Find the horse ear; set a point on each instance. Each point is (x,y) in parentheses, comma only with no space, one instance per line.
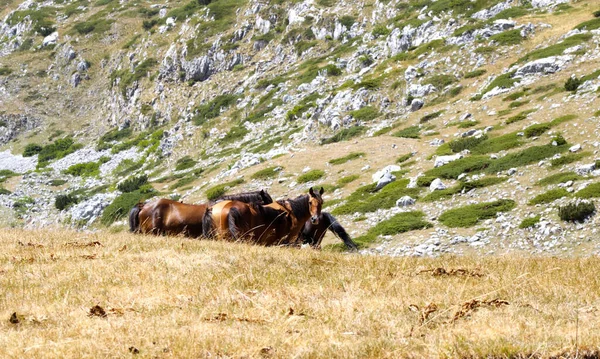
(262,192)
(310,191)
(321,191)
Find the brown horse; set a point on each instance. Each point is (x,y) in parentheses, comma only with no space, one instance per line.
(313,234)
(165,216)
(289,216)
(252,222)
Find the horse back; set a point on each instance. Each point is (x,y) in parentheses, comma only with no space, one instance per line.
(219,213)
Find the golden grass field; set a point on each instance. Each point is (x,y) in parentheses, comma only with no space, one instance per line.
(179,298)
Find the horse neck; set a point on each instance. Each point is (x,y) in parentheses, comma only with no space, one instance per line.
(300,208)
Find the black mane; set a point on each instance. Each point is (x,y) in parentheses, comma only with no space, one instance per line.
(260,197)
(299,205)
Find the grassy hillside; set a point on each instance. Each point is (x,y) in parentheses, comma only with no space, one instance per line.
(83,294)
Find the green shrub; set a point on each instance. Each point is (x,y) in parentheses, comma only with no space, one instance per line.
(4,191)
(559,178)
(409,132)
(235,133)
(467,124)
(572,84)
(96,26)
(269,172)
(516,104)
(311,175)
(589,25)
(591,191)
(380,30)
(464,165)
(519,117)
(404,158)
(184,163)
(470,215)
(127,77)
(497,144)
(345,134)
(347,21)
(569,158)
(32,149)
(219,190)
(182,182)
(133,184)
(596,13)
(549,197)
(88,169)
(64,201)
(529,222)
(576,212)
(556,49)
(366,113)
(57,182)
(400,223)
(5,70)
(120,206)
(430,116)
(514,96)
(366,199)
(525,157)
(213,108)
(536,130)
(475,73)
(440,81)
(332,70)
(466,143)
(463,187)
(113,136)
(504,81)
(303,46)
(511,13)
(425,181)
(56,150)
(349,157)
(511,37)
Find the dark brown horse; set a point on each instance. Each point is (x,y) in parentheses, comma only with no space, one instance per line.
(165,216)
(252,222)
(313,234)
(229,225)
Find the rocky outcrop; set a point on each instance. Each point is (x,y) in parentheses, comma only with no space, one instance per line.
(548,65)
(12,126)
(17,163)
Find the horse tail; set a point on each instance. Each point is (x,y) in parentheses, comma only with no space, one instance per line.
(336,228)
(233,218)
(208,224)
(134,218)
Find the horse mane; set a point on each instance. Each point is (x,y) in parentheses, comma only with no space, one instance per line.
(299,205)
(247,197)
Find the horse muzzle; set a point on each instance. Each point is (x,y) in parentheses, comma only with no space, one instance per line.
(314,219)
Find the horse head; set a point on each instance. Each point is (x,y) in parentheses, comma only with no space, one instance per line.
(266,197)
(315,202)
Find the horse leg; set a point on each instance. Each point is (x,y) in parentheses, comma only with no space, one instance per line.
(233,218)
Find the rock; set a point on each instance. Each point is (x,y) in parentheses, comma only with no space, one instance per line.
(416,104)
(397,42)
(410,73)
(75,79)
(417,90)
(585,169)
(91,209)
(387,169)
(575,148)
(50,39)
(485,14)
(436,142)
(83,66)
(511,171)
(437,185)
(13,125)
(386,179)
(547,3)
(261,25)
(405,201)
(199,69)
(17,163)
(365,168)
(162,13)
(548,65)
(442,160)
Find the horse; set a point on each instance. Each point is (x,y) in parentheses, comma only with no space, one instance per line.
(165,216)
(312,234)
(260,197)
(239,221)
(296,212)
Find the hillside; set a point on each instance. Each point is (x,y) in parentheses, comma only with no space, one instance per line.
(482,117)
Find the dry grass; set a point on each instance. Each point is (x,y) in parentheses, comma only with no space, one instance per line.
(110,295)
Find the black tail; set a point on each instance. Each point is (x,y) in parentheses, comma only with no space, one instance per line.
(208,224)
(134,218)
(336,228)
(233,218)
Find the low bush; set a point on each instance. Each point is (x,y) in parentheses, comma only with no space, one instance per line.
(440,81)
(503,81)
(213,108)
(464,165)
(559,178)
(589,25)
(425,181)
(32,149)
(87,169)
(557,121)
(497,144)
(572,84)
(467,124)
(430,116)
(184,163)
(475,73)
(4,71)
(4,191)
(536,130)
(556,49)
(345,134)
(529,222)
(58,149)
(519,117)
(219,190)
(311,175)
(409,132)
(525,157)
(591,191)
(266,173)
(576,212)
(366,199)
(569,158)
(466,143)
(64,201)
(549,197)
(349,157)
(366,113)
(404,158)
(463,187)
(400,223)
(470,215)
(511,37)
(120,206)
(133,184)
